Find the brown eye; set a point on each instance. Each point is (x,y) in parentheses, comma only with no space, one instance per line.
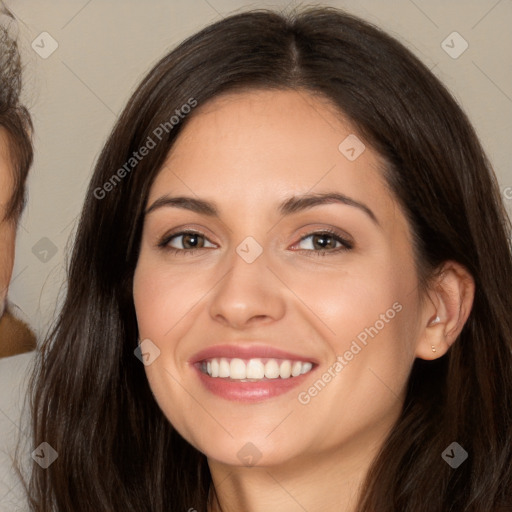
(186,241)
(192,241)
(323,242)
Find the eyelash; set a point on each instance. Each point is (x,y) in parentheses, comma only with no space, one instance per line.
(346,245)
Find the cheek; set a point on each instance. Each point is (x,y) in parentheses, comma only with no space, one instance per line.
(367,319)
(163,296)
(357,294)
(367,315)
(7,243)
(163,305)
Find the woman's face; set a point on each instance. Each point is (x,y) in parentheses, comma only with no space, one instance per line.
(278,277)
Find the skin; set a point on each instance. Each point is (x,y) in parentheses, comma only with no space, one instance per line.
(247,153)
(7,227)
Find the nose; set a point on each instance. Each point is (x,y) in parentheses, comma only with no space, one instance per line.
(249,294)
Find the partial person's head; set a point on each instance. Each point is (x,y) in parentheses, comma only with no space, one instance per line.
(15,150)
(224,138)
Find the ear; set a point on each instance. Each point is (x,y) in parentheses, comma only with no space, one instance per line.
(443,316)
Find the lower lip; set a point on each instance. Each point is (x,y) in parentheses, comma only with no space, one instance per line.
(250,391)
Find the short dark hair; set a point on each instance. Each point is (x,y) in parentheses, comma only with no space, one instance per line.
(14,117)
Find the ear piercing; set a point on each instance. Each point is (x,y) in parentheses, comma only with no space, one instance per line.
(434,321)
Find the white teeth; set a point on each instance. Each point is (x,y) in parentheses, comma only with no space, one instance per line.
(224,368)
(272,369)
(296,368)
(237,369)
(285,370)
(255,369)
(306,367)
(214,369)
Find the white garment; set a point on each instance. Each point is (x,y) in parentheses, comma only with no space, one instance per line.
(14,425)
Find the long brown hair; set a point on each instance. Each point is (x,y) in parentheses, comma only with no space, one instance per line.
(90,397)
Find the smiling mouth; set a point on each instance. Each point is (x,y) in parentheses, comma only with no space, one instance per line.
(254,369)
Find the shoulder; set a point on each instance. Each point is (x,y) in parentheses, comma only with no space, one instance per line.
(15,373)
(15,336)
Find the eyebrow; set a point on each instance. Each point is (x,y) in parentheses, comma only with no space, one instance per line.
(288,207)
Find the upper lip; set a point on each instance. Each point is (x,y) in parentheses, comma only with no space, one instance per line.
(248,352)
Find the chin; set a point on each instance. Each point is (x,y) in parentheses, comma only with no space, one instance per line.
(252,451)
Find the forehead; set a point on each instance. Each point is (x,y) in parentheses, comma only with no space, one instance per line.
(257,146)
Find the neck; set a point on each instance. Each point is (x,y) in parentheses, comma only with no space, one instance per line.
(328,481)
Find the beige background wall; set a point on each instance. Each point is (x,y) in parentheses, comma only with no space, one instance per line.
(106,46)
